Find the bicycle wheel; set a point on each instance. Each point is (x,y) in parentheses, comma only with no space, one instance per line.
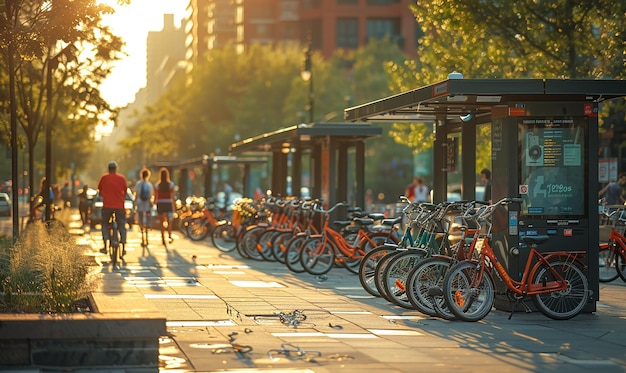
(279,245)
(292,253)
(467,297)
(113,253)
(424,287)
(352,264)
(380,270)
(197,229)
(367,267)
(264,246)
(224,237)
(317,256)
(620,265)
(396,274)
(608,263)
(249,242)
(562,305)
(379,238)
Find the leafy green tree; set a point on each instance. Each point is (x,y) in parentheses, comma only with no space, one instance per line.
(235,96)
(510,39)
(521,39)
(60,44)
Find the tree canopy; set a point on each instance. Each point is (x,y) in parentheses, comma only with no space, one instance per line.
(61,53)
(569,39)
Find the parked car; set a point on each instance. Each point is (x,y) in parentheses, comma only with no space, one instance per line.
(95,215)
(5,205)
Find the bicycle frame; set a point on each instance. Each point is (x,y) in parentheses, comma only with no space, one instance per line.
(620,240)
(535,261)
(341,246)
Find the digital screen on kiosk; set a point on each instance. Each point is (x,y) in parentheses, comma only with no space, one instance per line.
(553,180)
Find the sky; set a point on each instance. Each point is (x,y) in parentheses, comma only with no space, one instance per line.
(132,22)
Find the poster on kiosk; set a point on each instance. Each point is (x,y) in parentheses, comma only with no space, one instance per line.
(553,180)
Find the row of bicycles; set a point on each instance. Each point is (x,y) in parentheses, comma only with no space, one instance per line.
(441,264)
(296,232)
(445,265)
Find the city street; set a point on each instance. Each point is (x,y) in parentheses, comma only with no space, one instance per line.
(228,314)
(6,222)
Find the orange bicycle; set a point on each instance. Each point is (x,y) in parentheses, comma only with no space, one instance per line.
(555,281)
(202,222)
(612,254)
(320,253)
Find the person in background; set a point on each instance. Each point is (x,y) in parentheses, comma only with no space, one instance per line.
(165,202)
(83,205)
(143,200)
(409,192)
(39,202)
(421,191)
(112,188)
(485,178)
(66,194)
(612,192)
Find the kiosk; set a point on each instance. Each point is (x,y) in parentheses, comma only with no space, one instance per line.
(544,149)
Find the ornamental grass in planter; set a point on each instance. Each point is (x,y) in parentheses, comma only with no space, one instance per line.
(45,271)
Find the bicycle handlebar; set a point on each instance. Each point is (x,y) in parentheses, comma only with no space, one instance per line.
(322,211)
(489,210)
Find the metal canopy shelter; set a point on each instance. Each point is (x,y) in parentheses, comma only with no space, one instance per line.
(209,165)
(453,98)
(326,146)
(529,119)
(452,102)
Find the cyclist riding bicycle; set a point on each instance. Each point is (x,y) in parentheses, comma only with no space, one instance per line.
(112,188)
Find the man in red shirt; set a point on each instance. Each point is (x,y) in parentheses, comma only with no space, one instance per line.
(112,189)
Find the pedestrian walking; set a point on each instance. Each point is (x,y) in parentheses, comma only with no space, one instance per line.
(144,192)
(83,205)
(66,194)
(164,195)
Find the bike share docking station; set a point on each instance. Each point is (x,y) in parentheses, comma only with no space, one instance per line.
(544,150)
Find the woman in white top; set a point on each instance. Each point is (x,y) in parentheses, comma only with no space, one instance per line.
(421,191)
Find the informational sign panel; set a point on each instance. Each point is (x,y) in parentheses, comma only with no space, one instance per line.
(552,170)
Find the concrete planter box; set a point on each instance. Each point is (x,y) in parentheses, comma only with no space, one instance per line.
(122,331)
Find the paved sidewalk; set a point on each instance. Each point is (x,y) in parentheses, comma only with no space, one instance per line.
(223,314)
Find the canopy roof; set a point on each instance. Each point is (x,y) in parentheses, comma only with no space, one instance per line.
(208,159)
(454,98)
(303,136)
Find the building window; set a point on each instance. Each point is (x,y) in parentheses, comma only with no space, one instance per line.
(348,33)
(382,2)
(311,4)
(381,27)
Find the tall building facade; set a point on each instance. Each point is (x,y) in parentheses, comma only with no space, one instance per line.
(330,24)
(165,50)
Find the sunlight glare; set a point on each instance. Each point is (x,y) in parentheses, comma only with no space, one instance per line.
(132,22)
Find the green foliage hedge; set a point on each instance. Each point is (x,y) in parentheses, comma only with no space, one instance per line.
(43,272)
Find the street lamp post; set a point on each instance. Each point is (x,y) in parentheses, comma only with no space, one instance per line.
(307,75)
(46,192)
